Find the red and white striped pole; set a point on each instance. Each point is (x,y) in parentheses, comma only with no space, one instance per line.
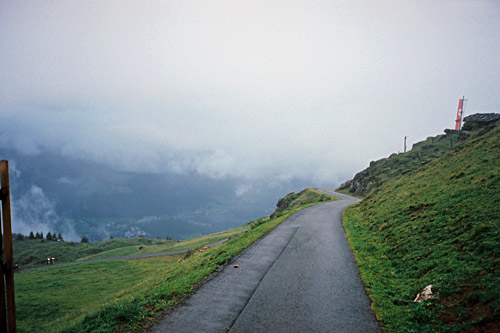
(460,111)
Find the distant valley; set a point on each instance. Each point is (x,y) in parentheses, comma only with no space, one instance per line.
(75,197)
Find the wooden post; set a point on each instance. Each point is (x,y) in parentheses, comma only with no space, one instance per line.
(3,312)
(7,258)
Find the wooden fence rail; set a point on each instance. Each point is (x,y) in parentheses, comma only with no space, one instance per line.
(7,299)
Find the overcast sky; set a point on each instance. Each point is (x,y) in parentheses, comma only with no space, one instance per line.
(253,89)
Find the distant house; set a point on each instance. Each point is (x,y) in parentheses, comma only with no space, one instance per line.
(479,120)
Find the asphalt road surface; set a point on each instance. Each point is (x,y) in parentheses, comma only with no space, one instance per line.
(301,277)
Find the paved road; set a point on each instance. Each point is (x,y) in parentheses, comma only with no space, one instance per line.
(130,256)
(302,277)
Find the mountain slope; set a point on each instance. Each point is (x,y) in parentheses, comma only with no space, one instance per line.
(56,193)
(396,165)
(439,225)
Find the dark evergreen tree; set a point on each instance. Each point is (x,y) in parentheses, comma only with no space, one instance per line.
(85,239)
(32,235)
(48,236)
(60,237)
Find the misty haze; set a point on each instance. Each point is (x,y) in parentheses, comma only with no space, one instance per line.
(185,118)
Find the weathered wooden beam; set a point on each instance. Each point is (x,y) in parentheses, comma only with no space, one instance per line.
(8,267)
(3,309)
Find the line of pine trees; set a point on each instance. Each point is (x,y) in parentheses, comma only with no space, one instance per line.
(39,235)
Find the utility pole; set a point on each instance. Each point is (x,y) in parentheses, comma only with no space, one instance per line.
(405,143)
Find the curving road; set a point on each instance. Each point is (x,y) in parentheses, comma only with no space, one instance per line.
(301,277)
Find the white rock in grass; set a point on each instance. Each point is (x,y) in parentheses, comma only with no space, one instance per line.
(424,295)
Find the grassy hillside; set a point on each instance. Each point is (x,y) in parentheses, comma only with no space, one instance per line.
(156,246)
(293,200)
(126,295)
(395,166)
(439,225)
(32,253)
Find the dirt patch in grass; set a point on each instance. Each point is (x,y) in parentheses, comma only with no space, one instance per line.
(472,309)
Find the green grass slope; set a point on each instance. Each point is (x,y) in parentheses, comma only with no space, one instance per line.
(439,225)
(126,295)
(293,200)
(395,166)
(33,253)
(156,246)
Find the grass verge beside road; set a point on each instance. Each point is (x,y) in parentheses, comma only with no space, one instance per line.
(438,225)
